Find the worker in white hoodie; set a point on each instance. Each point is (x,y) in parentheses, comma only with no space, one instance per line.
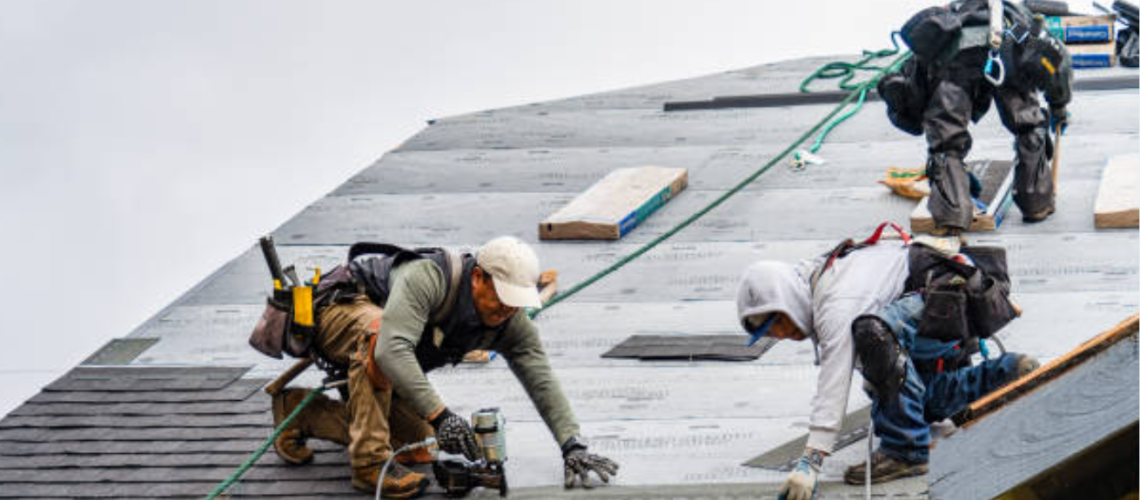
(851,304)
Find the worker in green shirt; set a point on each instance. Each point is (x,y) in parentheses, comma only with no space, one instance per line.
(398,314)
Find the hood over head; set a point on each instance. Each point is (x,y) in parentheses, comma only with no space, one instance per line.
(772,286)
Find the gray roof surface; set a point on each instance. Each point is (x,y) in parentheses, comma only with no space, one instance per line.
(467,178)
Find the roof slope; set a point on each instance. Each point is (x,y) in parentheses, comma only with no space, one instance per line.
(1084,406)
(467,178)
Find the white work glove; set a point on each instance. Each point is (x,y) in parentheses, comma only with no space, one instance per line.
(801,483)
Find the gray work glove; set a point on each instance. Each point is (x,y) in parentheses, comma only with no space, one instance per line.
(454,435)
(577,463)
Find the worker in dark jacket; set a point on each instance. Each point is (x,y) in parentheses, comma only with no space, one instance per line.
(409,313)
(950,82)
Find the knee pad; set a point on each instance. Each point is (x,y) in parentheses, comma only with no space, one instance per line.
(882,358)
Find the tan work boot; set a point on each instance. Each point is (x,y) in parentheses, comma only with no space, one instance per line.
(322,418)
(290,444)
(400,482)
(883,469)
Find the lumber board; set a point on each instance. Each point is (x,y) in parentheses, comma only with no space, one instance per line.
(1117,201)
(615,205)
(997,194)
(1043,375)
(1045,427)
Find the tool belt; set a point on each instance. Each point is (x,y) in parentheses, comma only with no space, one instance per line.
(961,301)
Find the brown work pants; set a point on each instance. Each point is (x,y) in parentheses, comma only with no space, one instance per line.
(378,422)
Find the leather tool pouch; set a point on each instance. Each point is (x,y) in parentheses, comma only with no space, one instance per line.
(272,335)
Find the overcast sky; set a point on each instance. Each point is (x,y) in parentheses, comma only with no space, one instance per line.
(145,143)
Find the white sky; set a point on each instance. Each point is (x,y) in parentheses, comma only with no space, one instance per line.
(145,143)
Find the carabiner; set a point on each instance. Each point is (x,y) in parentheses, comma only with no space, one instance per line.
(988,71)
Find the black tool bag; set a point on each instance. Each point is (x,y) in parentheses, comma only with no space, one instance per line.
(931,33)
(962,301)
(906,95)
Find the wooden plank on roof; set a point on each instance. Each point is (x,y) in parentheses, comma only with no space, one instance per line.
(614,205)
(1086,405)
(1056,368)
(997,194)
(1117,201)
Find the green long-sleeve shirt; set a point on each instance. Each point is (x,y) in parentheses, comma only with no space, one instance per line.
(418,288)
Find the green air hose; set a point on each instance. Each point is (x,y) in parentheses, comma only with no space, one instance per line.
(847,71)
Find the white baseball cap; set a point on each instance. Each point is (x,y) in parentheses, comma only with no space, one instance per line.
(514,270)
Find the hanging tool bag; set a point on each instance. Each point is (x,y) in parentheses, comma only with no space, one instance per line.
(931,33)
(906,94)
(277,331)
(961,300)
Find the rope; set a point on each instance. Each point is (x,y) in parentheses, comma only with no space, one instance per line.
(847,71)
(859,90)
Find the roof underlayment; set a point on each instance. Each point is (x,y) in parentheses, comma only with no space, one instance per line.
(674,426)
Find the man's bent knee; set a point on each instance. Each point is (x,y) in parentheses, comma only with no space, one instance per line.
(883,360)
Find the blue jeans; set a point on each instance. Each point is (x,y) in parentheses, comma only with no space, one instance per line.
(903,426)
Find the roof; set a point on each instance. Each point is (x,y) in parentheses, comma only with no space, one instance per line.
(1093,399)
(467,178)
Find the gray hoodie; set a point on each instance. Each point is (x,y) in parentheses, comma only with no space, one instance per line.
(863,282)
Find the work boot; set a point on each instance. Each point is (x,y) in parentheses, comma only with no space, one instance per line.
(290,444)
(400,482)
(883,469)
(322,418)
(1026,364)
(1039,215)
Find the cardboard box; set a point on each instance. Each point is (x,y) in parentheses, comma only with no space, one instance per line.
(614,205)
(1097,55)
(1083,29)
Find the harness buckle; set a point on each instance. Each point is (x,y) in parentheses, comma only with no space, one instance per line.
(991,62)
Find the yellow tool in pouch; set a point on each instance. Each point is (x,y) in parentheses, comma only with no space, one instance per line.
(303,305)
